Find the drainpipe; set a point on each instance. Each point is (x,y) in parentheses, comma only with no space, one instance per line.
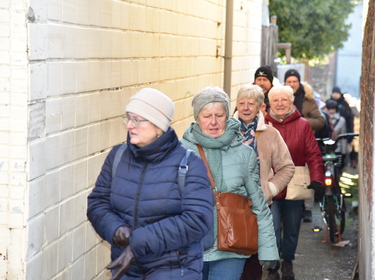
(228,47)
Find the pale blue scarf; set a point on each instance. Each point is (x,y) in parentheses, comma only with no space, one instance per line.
(213,147)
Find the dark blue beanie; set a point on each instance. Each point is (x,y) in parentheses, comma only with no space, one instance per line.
(292,72)
(336,89)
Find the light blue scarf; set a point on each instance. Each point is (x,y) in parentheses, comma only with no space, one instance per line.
(214,146)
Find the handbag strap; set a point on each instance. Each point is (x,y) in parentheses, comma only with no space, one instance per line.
(203,156)
(217,194)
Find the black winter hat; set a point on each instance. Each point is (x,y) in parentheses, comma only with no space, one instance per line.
(264,71)
(331,104)
(292,72)
(336,89)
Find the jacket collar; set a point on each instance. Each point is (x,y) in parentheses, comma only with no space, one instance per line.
(261,124)
(156,151)
(291,116)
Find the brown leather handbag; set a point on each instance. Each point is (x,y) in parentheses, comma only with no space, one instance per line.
(237,225)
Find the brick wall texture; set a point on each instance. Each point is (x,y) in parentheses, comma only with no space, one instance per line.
(366,190)
(67,70)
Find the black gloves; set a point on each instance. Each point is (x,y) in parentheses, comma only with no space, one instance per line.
(121,237)
(122,264)
(268,264)
(318,190)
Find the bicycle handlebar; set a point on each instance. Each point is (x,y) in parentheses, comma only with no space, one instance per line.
(346,135)
(330,142)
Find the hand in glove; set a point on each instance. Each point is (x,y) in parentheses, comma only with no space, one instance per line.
(268,264)
(318,190)
(122,264)
(121,237)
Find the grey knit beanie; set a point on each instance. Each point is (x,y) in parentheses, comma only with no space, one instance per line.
(152,105)
(210,95)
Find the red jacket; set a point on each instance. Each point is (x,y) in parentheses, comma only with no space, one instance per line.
(300,139)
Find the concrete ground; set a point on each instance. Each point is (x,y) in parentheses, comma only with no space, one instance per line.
(316,260)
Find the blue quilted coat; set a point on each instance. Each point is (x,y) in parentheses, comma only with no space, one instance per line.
(167,227)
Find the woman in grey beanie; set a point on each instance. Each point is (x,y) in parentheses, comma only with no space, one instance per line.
(152,220)
(234,168)
(210,95)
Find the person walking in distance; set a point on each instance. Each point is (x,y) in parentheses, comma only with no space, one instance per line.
(339,126)
(346,112)
(305,104)
(263,77)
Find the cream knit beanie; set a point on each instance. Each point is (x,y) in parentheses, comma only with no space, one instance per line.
(152,105)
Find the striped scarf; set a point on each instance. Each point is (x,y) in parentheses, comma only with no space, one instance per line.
(248,131)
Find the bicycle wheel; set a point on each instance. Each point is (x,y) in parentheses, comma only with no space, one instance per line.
(342,218)
(331,218)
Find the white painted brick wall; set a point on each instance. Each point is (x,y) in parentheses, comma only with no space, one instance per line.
(13,134)
(65,79)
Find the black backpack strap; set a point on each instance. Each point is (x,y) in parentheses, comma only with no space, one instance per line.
(182,171)
(118,156)
(336,122)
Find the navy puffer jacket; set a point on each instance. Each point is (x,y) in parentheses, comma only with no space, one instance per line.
(167,227)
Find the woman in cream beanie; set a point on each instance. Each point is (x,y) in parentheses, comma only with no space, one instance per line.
(142,211)
(152,105)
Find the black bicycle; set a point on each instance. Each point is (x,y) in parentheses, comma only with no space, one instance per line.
(333,206)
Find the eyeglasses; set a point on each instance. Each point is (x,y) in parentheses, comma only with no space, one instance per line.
(136,122)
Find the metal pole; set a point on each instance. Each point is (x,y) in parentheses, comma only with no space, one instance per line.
(228,48)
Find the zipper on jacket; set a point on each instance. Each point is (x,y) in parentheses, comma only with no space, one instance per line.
(182,264)
(140,185)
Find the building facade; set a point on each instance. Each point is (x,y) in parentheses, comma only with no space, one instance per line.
(366,191)
(67,70)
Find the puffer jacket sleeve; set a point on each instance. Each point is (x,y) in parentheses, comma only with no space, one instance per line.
(313,156)
(266,234)
(99,210)
(180,230)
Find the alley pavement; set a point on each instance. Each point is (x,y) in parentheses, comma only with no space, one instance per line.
(316,260)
